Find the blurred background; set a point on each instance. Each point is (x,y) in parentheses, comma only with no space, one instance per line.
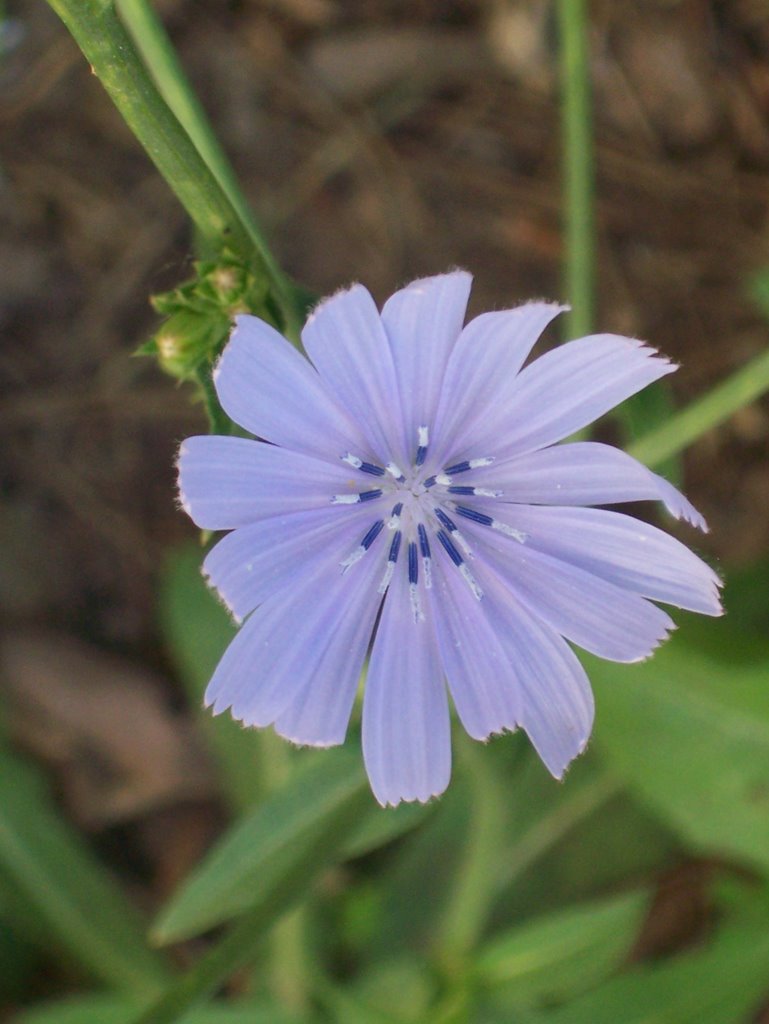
(378,141)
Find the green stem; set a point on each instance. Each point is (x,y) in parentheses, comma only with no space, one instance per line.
(576,128)
(113,58)
(160,59)
(742,387)
(476,881)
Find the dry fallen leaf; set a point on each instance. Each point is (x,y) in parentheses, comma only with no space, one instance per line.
(103,725)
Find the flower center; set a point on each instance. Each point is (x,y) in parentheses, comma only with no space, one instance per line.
(420,508)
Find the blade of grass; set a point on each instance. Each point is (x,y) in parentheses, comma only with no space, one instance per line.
(738,390)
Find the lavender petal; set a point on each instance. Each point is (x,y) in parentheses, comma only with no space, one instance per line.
(226,482)
(423,322)
(266,386)
(566,389)
(622,550)
(346,340)
(584,473)
(255,561)
(596,615)
(298,638)
(406,736)
(482,681)
(483,369)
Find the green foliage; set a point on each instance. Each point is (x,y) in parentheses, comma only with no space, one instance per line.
(110,1010)
(562,953)
(56,891)
(720,984)
(279,848)
(690,734)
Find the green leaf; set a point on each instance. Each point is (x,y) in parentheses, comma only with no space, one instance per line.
(274,853)
(690,734)
(111,1010)
(556,955)
(562,843)
(379,828)
(721,984)
(396,990)
(56,888)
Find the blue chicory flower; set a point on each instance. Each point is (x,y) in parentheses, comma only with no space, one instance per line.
(408,487)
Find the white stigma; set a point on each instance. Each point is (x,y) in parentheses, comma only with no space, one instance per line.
(356,556)
(416,607)
(352,460)
(423,437)
(509,531)
(471,581)
(462,542)
(388,575)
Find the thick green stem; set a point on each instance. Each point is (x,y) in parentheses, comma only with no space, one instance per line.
(743,387)
(576,129)
(112,55)
(161,61)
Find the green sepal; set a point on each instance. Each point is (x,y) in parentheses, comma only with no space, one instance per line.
(199,312)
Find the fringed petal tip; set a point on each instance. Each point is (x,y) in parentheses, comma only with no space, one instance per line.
(678,506)
(559,774)
(301,743)
(222,598)
(661,639)
(386,802)
(340,295)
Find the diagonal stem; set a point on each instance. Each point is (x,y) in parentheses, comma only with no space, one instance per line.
(113,57)
(740,389)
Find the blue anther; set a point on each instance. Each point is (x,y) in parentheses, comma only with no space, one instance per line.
(413,563)
(458,467)
(429,482)
(397,509)
(461,490)
(369,467)
(421,454)
(370,495)
(395,547)
(424,543)
(444,520)
(451,551)
(477,517)
(372,534)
